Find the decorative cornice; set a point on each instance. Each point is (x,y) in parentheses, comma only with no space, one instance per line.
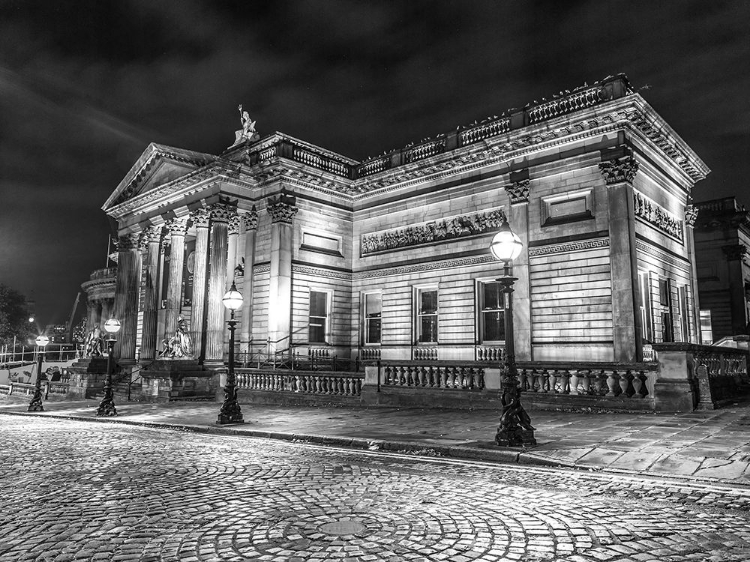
(250,219)
(282,208)
(222,213)
(518,192)
(234,225)
(431,266)
(434,231)
(691,214)
(321,272)
(734,252)
(655,215)
(567,247)
(200,217)
(176,227)
(620,170)
(662,255)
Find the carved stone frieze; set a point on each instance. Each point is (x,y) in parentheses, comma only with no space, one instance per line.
(434,231)
(620,170)
(221,212)
(429,266)
(657,216)
(176,227)
(282,209)
(682,263)
(250,219)
(734,252)
(569,247)
(518,191)
(200,217)
(691,215)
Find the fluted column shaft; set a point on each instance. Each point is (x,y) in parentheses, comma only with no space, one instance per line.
(127,287)
(233,234)
(177,229)
(200,219)
(220,216)
(91,320)
(282,210)
(246,327)
(150,245)
(518,218)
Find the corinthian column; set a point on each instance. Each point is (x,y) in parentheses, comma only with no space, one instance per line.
(221,214)
(518,218)
(618,175)
(200,218)
(127,287)
(177,229)
(233,233)
(250,221)
(282,211)
(149,244)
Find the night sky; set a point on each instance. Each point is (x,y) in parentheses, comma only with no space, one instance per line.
(86,85)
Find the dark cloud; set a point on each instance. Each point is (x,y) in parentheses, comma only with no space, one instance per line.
(86,85)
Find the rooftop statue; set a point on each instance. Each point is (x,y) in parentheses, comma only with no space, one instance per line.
(248,132)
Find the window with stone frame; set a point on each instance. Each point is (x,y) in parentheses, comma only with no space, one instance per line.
(491,312)
(645,308)
(665,300)
(319,317)
(427,314)
(682,297)
(373,305)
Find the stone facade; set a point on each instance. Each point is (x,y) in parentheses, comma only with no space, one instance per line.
(722,241)
(388,258)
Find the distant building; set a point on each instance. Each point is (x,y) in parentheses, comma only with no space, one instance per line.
(100,298)
(722,240)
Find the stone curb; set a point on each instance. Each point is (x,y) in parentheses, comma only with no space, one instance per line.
(504,456)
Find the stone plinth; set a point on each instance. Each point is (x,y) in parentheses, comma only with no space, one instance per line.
(182,379)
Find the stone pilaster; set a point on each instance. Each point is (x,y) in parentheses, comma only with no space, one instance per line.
(735,253)
(127,287)
(618,175)
(250,222)
(518,219)
(233,234)
(177,229)
(691,215)
(282,210)
(150,240)
(221,214)
(200,218)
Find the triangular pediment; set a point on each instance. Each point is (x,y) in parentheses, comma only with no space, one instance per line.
(157,166)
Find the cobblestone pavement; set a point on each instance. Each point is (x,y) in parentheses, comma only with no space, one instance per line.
(77,490)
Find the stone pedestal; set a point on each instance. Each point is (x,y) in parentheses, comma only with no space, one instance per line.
(170,380)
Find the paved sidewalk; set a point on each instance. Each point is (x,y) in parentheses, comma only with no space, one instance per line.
(712,446)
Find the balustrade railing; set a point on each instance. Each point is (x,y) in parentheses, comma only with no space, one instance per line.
(373,166)
(301,382)
(593,379)
(493,353)
(458,377)
(567,104)
(724,371)
(369,353)
(424,353)
(424,150)
(484,131)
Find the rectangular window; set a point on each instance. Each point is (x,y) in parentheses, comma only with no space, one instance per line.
(373,310)
(644,290)
(492,311)
(707,336)
(684,318)
(427,315)
(665,300)
(318,316)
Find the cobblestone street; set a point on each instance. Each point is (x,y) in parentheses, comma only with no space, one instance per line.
(75,490)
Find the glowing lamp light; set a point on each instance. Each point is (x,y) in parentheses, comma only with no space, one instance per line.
(233,298)
(112,326)
(506,245)
(41,341)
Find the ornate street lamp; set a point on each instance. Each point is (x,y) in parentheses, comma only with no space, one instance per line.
(515,424)
(107,406)
(36,401)
(230,410)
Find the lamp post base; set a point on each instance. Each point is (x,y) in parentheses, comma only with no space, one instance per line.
(515,428)
(517,437)
(230,410)
(107,405)
(36,402)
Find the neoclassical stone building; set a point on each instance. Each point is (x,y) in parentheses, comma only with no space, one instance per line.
(388,258)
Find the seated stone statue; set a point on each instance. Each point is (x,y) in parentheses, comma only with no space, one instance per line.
(178,345)
(248,131)
(94,343)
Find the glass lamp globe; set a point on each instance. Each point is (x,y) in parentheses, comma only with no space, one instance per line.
(233,298)
(41,341)
(506,245)
(112,326)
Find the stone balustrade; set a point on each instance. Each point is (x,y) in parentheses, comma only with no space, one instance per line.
(423,375)
(369,353)
(348,384)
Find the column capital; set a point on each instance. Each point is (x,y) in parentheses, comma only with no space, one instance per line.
(518,191)
(734,252)
(250,219)
(200,217)
(234,225)
(619,170)
(176,227)
(283,208)
(221,212)
(127,242)
(149,235)
(691,215)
